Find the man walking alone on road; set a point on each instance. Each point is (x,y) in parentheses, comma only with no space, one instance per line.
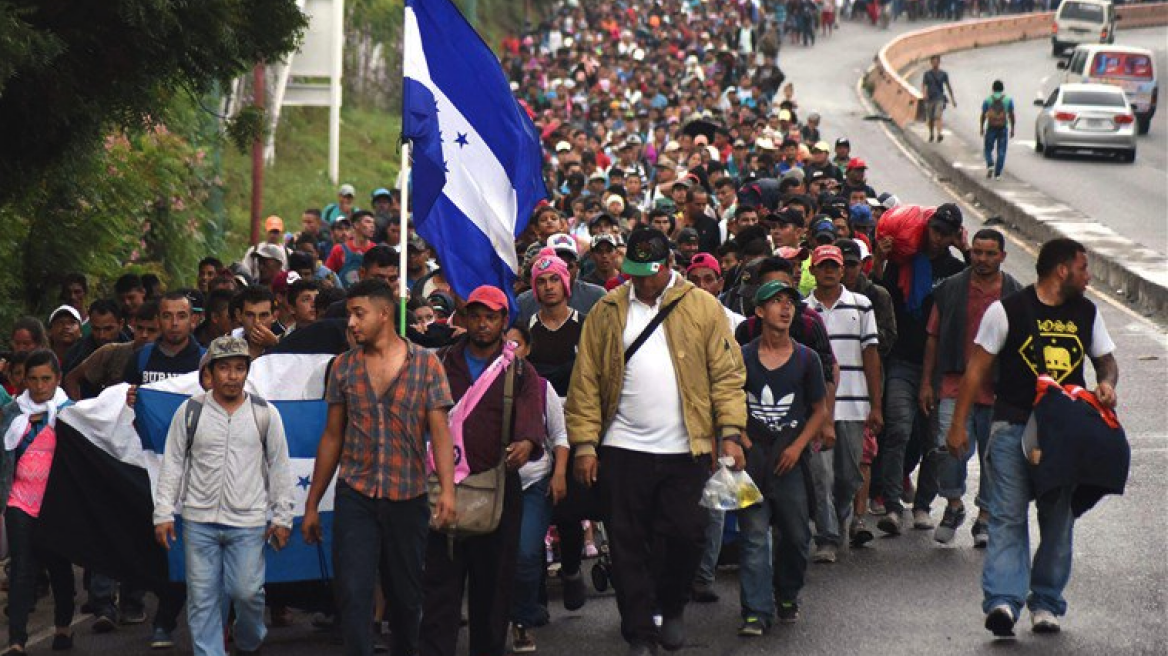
(935,83)
(229,449)
(997,126)
(659,357)
(1055,312)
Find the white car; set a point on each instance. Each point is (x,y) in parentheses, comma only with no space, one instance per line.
(1095,117)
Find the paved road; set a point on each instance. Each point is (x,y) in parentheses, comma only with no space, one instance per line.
(1129,198)
(906,595)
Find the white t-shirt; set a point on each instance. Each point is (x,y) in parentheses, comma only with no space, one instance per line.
(557,435)
(995,326)
(851,326)
(649,417)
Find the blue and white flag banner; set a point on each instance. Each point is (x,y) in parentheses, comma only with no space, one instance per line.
(477,163)
(294,384)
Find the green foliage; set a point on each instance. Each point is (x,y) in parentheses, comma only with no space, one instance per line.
(247,127)
(73,72)
(136,200)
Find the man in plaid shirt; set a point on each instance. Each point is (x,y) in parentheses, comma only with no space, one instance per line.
(383,397)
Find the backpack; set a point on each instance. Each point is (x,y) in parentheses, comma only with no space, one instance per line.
(194,410)
(349,273)
(996,112)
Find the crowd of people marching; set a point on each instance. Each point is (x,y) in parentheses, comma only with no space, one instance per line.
(712,277)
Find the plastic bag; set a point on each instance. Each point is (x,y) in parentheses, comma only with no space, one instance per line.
(730,490)
(905,224)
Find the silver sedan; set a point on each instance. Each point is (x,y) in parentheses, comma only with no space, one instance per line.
(1093,117)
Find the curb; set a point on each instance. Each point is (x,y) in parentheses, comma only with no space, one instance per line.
(1125,268)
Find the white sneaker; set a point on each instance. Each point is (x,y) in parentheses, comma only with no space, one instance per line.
(922,521)
(824,553)
(1044,621)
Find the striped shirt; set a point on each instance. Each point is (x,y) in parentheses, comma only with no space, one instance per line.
(851,326)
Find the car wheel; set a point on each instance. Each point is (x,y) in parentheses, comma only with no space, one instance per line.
(1143,123)
(1129,156)
(1055,50)
(1047,150)
(1038,147)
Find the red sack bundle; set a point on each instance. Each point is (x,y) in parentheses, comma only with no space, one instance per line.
(906,225)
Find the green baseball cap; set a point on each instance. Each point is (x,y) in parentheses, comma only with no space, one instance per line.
(647,252)
(773,288)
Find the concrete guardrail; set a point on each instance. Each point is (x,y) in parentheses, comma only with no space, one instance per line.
(903,102)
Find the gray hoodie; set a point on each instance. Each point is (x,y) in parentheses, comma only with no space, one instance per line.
(227,480)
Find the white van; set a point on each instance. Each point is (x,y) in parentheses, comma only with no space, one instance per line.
(1132,69)
(1082,21)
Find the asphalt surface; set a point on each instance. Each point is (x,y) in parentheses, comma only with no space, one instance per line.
(905,595)
(1130,198)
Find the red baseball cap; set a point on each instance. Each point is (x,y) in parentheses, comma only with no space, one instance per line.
(704,261)
(492,297)
(827,252)
(857,163)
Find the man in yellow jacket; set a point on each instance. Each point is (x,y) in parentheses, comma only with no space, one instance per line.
(656,390)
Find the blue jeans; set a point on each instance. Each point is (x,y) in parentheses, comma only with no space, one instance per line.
(765,573)
(996,138)
(224,564)
(951,477)
(902,382)
(537,514)
(1008,577)
(709,564)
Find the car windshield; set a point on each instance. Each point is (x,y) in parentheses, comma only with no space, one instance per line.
(1122,64)
(1082,11)
(1097,98)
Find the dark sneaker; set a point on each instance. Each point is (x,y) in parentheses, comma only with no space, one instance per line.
(859,534)
(752,627)
(161,639)
(950,522)
(62,642)
(574,593)
(104,624)
(130,616)
(703,593)
(671,635)
(522,641)
(981,534)
(890,523)
(1000,621)
(788,612)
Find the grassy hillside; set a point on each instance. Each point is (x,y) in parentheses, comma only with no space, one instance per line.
(298,179)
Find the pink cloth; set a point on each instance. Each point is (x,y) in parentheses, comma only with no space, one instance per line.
(462,410)
(32,473)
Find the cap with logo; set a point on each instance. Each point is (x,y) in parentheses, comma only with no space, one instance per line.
(647,253)
(843,141)
(704,261)
(564,244)
(827,253)
(606,238)
(946,219)
(492,297)
(224,347)
(687,236)
(856,163)
(381,191)
(823,228)
(850,250)
(269,251)
(773,288)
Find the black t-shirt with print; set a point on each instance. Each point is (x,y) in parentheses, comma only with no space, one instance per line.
(160,366)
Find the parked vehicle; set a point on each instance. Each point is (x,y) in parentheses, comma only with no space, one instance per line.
(1095,117)
(1131,69)
(1082,21)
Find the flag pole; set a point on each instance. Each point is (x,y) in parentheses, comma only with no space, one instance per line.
(403,263)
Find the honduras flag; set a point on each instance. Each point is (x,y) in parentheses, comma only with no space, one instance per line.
(98,504)
(477,164)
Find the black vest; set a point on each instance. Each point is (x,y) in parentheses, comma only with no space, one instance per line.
(1065,333)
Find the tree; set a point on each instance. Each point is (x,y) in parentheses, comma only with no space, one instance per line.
(73,72)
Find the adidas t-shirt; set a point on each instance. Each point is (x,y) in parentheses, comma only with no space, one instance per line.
(780,399)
